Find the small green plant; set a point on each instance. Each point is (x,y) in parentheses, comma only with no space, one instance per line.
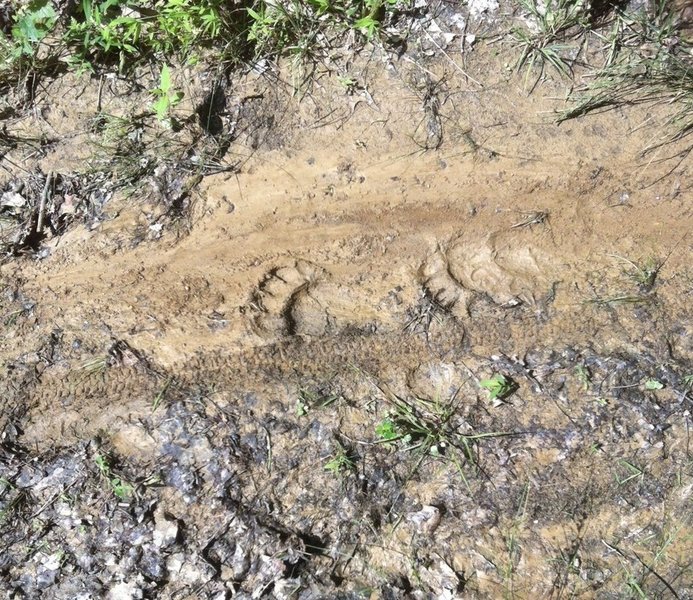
(369,23)
(583,376)
(387,431)
(312,398)
(341,462)
(348,83)
(166,97)
(595,447)
(301,407)
(499,386)
(33,23)
(653,384)
(120,488)
(687,381)
(183,25)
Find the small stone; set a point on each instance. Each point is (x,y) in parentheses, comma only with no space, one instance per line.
(426,520)
(124,591)
(12,200)
(166,529)
(285,589)
(45,577)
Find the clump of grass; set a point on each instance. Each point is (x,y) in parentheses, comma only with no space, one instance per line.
(419,424)
(544,42)
(296,26)
(620,299)
(650,572)
(94,366)
(643,273)
(645,61)
(430,428)
(513,544)
(125,32)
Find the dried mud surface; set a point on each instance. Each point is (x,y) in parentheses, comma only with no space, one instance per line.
(345,272)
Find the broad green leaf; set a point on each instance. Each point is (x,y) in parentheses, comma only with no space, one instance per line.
(653,384)
(165,79)
(161,107)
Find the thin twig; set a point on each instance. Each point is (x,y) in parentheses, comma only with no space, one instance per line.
(44,199)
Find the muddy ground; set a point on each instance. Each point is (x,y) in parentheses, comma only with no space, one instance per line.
(275,384)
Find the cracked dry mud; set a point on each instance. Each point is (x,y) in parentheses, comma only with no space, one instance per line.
(225,373)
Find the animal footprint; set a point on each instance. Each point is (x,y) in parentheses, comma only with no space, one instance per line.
(282,301)
(508,274)
(442,286)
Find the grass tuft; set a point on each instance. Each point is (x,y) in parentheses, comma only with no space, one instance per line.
(543,42)
(646,61)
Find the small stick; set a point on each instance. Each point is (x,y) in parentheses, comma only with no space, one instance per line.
(44,199)
(98,103)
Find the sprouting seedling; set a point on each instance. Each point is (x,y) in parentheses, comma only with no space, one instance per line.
(348,83)
(631,472)
(341,462)
(688,381)
(120,488)
(584,376)
(499,386)
(308,399)
(387,431)
(302,407)
(161,395)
